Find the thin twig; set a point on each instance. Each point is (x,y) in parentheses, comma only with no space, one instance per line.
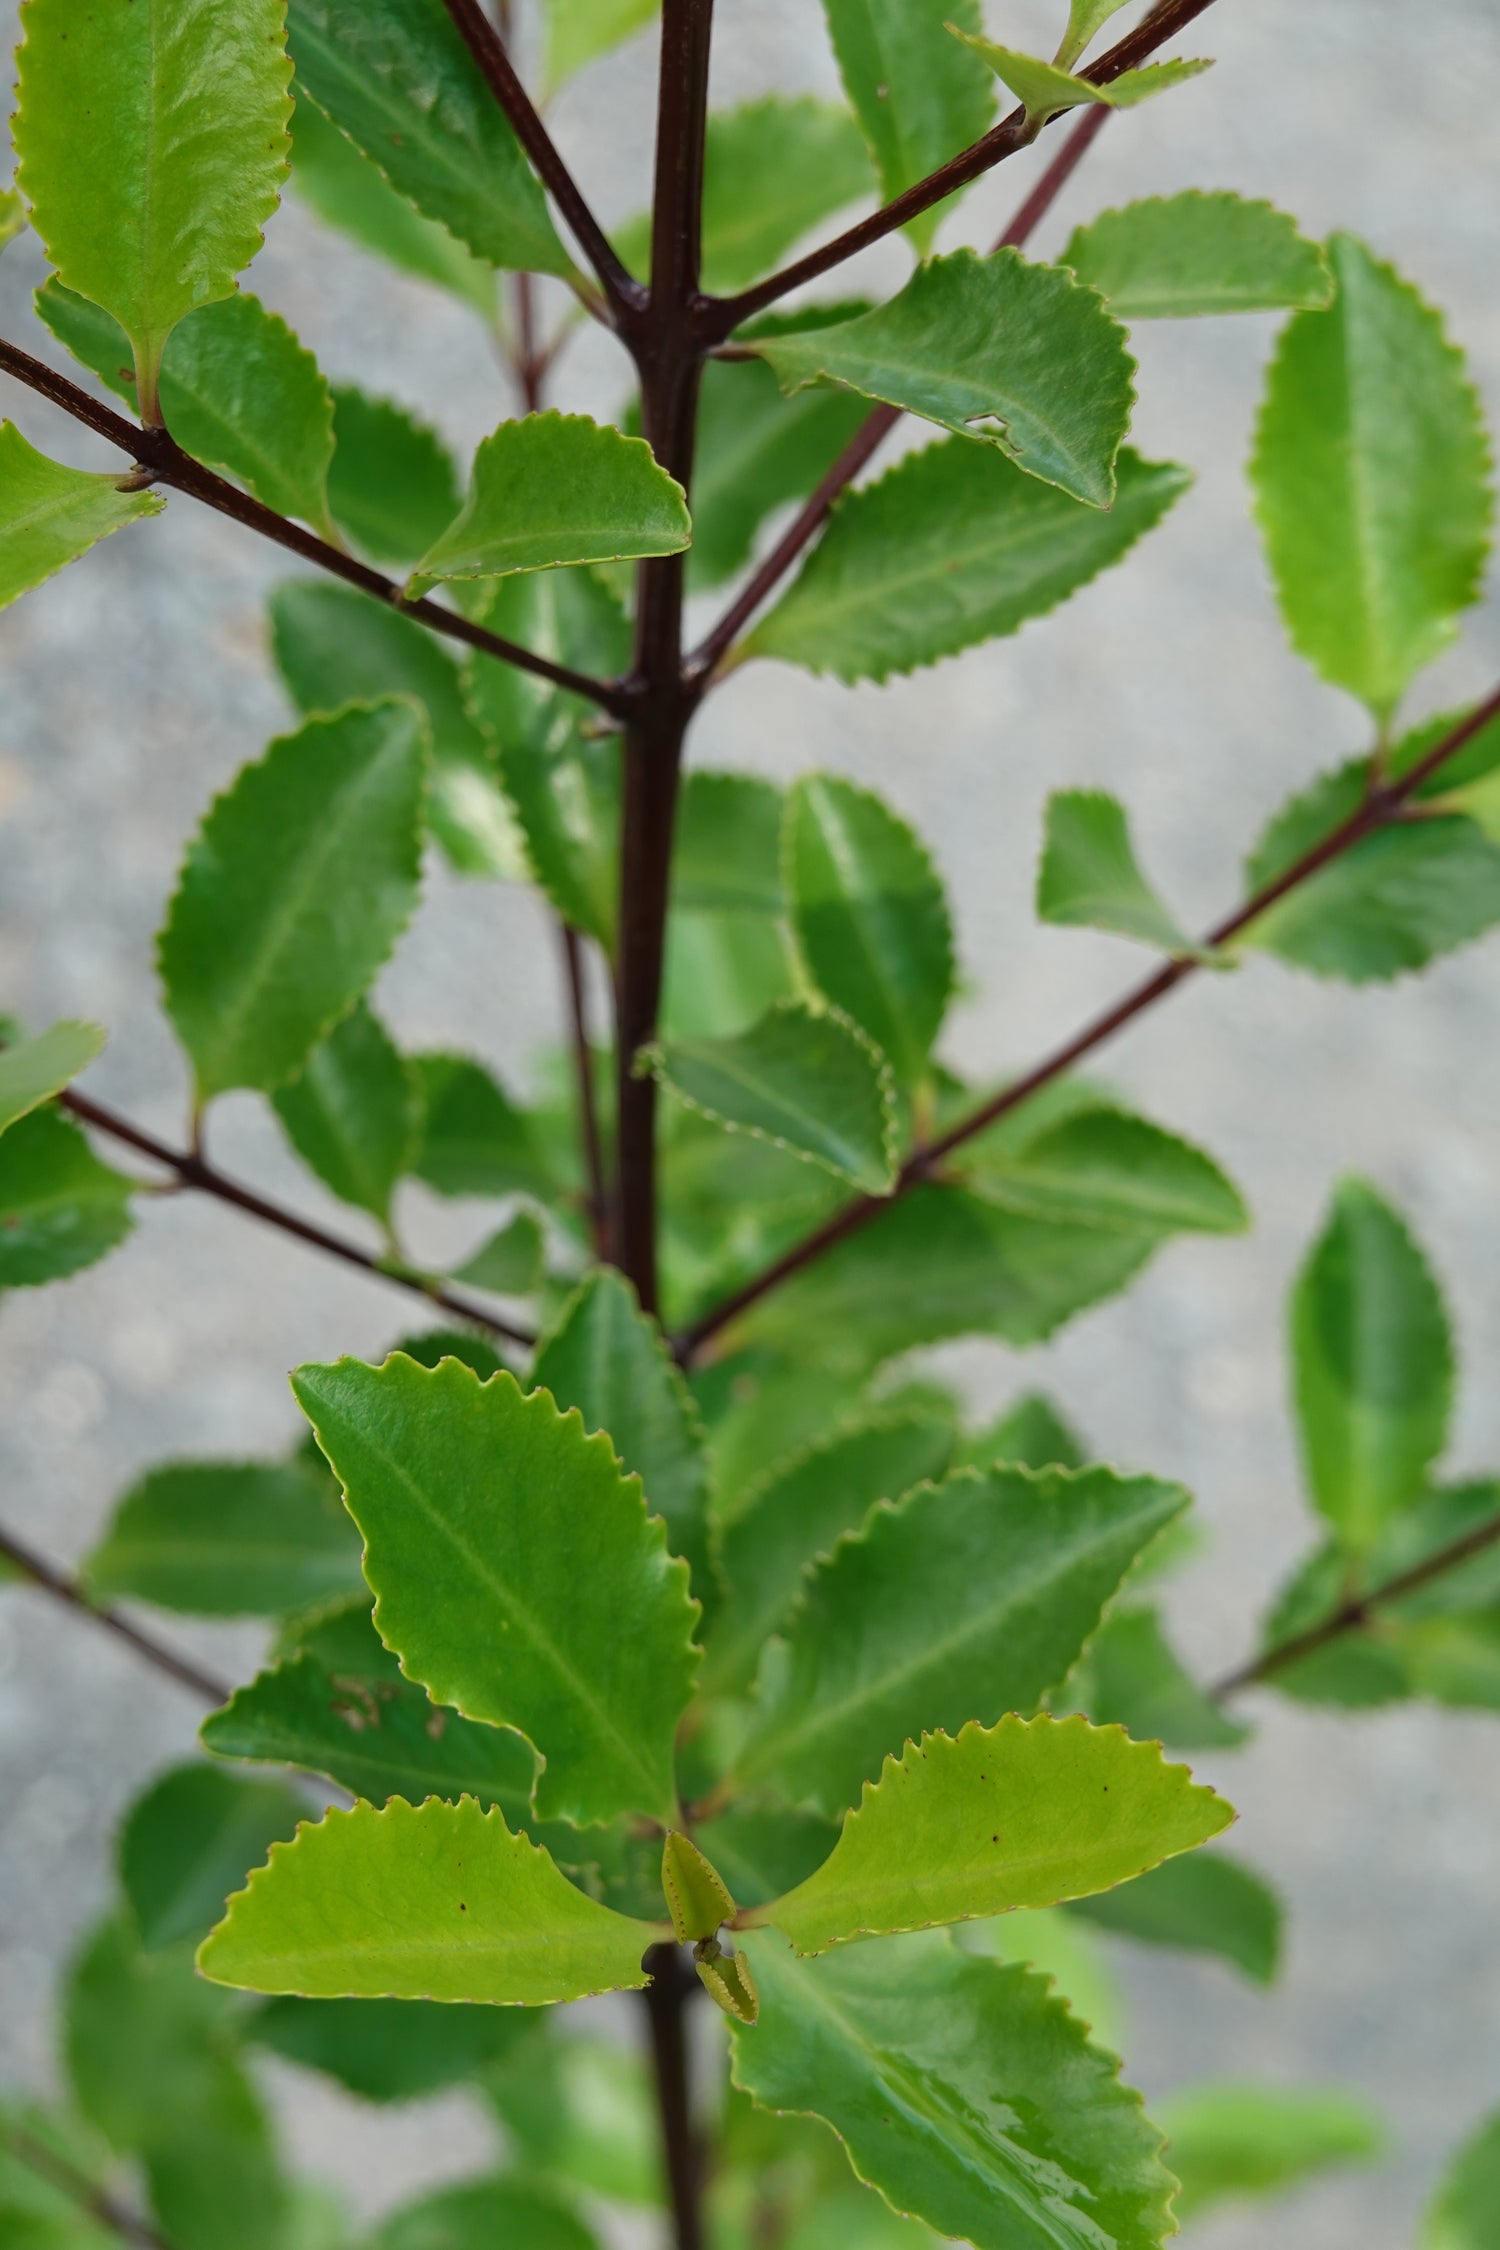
(48,2165)
(195,1172)
(488,49)
(1379,808)
(720,316)
(1351,1615)
(66,1588)
(158,452)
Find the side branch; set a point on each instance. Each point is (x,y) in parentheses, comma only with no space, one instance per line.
(157,451)
(1382,805)
(195,1172)
(99,2204)
(724,314)
(70,1590)
(488,49)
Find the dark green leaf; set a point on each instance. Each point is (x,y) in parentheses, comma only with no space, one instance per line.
(391,483)
(582,2112)
(189,1841)
(1175,256)
(1106,1168)
(228,1539)
(1090,878)
(951,547)
(1133,1677)
(60,1208)
(1247,2140)
(389,2050)
(918,95)
(763,1853)
(33,1070)
(353,1112)
(1031,1434)
(483,2213)
(728,957)
(1204,1902)
(774,170)
(756,450)
(1462,2218)
(50,515)
(475,1141)
(995,349)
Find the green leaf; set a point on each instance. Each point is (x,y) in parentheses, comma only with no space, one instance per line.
(188,1841)
(1371,479)
(1086,18)
(1044,89)
(870,918)
(1373,1366)
(728,957)
(966,1600)
(1177,257)
(475,1141)
(516,1572)
(293,893)
(995,349)
(697,1899)
(60,1208)
(146,214)
(35,2214)
(806,1079)
(439,1902)
(606,1358)
(756,449)
(558,488)
(962,2090)
(388,2050)
(513,1261)
(347,191)
(1056,1942)
(774,169)
(578,30)
(951,547)
(1031,1434)
(33,1070)
(227,1539)
(1132,1678)
(798,1513)
(50,515)
(391,483)
(1248,2140)
(14,215)
(581,2111)
(334,645)
(398,78)
(1463,2215)
(1105,1167)
(484,2212)
(352,1112)
(1206,1904)
(1396,900)
(919,97)
(1089,876)
(1024,1813)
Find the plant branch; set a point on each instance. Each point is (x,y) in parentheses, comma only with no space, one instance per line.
(157,451)
(488,49)
(96,2201)
(724,314)
(1379,808)
(672,1988)
(1355,1613)
(70,1590)
(873,431)
(194,1171)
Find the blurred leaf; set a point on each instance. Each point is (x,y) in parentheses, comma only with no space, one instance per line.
(391,483)
(483,2213)
(728,953)
(353,1112)
(33,1070)
(1131,1677)
(1247,2140)
(227,1539)
(919,96)
(774,170)
(1031,1433)
(1205,1903)
(1106,1168)
(1463,2215)
(475,1141)
(50,515)
(60,1208)
(1090,877)
(1174,257)
(512,1263)
(190,1840)
(756,450)
(578,30)
(389,2050)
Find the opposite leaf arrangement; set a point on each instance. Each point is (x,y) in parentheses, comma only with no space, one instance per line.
(662,1630)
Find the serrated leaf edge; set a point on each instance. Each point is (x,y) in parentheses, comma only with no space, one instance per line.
(1202,196)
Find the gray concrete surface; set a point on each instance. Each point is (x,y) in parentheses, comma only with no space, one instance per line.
(135,684)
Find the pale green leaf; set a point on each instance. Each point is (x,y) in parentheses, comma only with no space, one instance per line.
(1086,18)
(606,1358)
(1043,88)
(293,893)
(1246,2140)
(512,1262)
(1372,1366)
(870,918)
(995,349)
(1463,2214)
(1371,477)
(728,954)
(389,2050)
(1031,1433)
(1176,257)
(697,1899)
(583,2112)
(1392,902)
(475,1140)
(1208,1903)
(951,547)
(60,1208)
(439,1902)
(516,1572)
(50,515)
(227,1539)
(13,215)
(190,1840)
(347,191)
(756,449)
(961,2089)
(352,1112)
(398,78)
(773,170)
(558,488)
(1024,1813)
(578,30)
(806,1079)
(798,1513)
(391,485)
(334,645)
(919,97)
(1105,1167)
(967,1600)
(1090,878)
(482,2213)
(1133,1678)
(145,213)
(33,1070)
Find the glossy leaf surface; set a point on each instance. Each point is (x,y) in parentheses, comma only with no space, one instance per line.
(1090,877)
(439,1903)
(1024,1813)
(1174,257)
(228,1539)
(516,1572)
(918,95)
(190,1840)
(1207,1903)
(937,350)
(60,1208)
(50,515)
(33,1070)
